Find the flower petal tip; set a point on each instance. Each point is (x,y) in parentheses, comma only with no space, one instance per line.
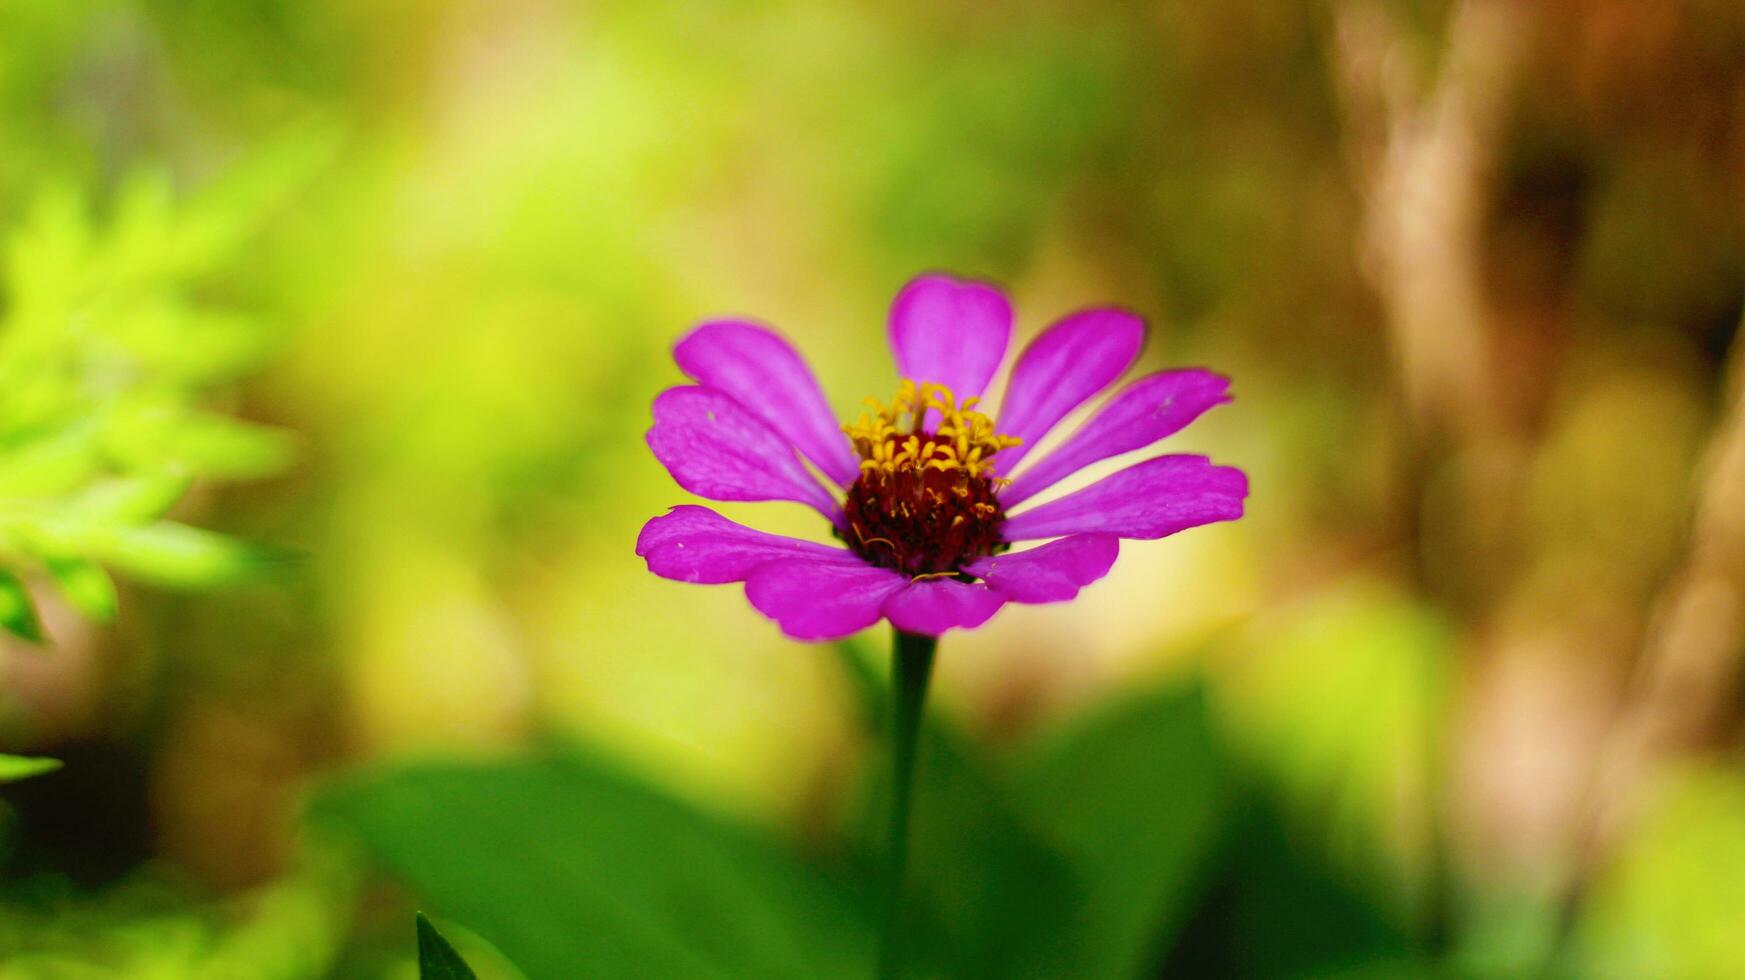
(758,368)
(950,331)
(717,449)
(1053,572)
(813,600)
(935,606)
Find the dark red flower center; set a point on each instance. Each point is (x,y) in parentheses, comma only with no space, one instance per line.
(925,501)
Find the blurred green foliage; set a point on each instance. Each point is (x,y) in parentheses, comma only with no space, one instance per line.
(1654,910)
(1080,859)
(108,355)
(160,928)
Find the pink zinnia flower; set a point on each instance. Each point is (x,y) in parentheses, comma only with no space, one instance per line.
(926,494)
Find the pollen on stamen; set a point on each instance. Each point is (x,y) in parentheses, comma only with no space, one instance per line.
(925,502)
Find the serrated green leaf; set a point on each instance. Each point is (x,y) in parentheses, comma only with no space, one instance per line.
(152,433)
(174,554)
(16,767)
(223,446)
(133,499)
(109,345)
(86,586)
(573,869)
(189,345)
(437,960)
(46,465)
(17,611)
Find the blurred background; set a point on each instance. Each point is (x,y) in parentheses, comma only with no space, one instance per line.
(409,273)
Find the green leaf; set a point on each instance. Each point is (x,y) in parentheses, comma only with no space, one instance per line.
(16,767)
(1279,908)
(223,446)
(574,870)
(17,611)
(984,890)
(1340,706)
(1081,860)
(437,960)
(133,499)
(86,586)
(1132,793)
(986,894)
(174,554)
(51,464)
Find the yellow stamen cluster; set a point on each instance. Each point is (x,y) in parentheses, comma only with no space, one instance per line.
(926,499)
(889,438)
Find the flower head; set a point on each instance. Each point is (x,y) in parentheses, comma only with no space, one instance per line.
(926,492)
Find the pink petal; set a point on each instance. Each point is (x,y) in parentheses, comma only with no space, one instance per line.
(821,600)
(1053,572)
(694,544)
(715,448)
(1149,409)
(1066,364)
(951,332)
(1152,499)
(931,606)
(767,376)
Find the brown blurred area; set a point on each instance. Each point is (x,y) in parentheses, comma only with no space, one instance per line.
(1604,636)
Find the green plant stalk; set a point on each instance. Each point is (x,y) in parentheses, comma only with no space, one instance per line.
(911,669)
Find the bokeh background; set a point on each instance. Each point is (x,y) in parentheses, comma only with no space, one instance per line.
(1476,267)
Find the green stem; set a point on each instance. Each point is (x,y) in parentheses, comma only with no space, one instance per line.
(911,668)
